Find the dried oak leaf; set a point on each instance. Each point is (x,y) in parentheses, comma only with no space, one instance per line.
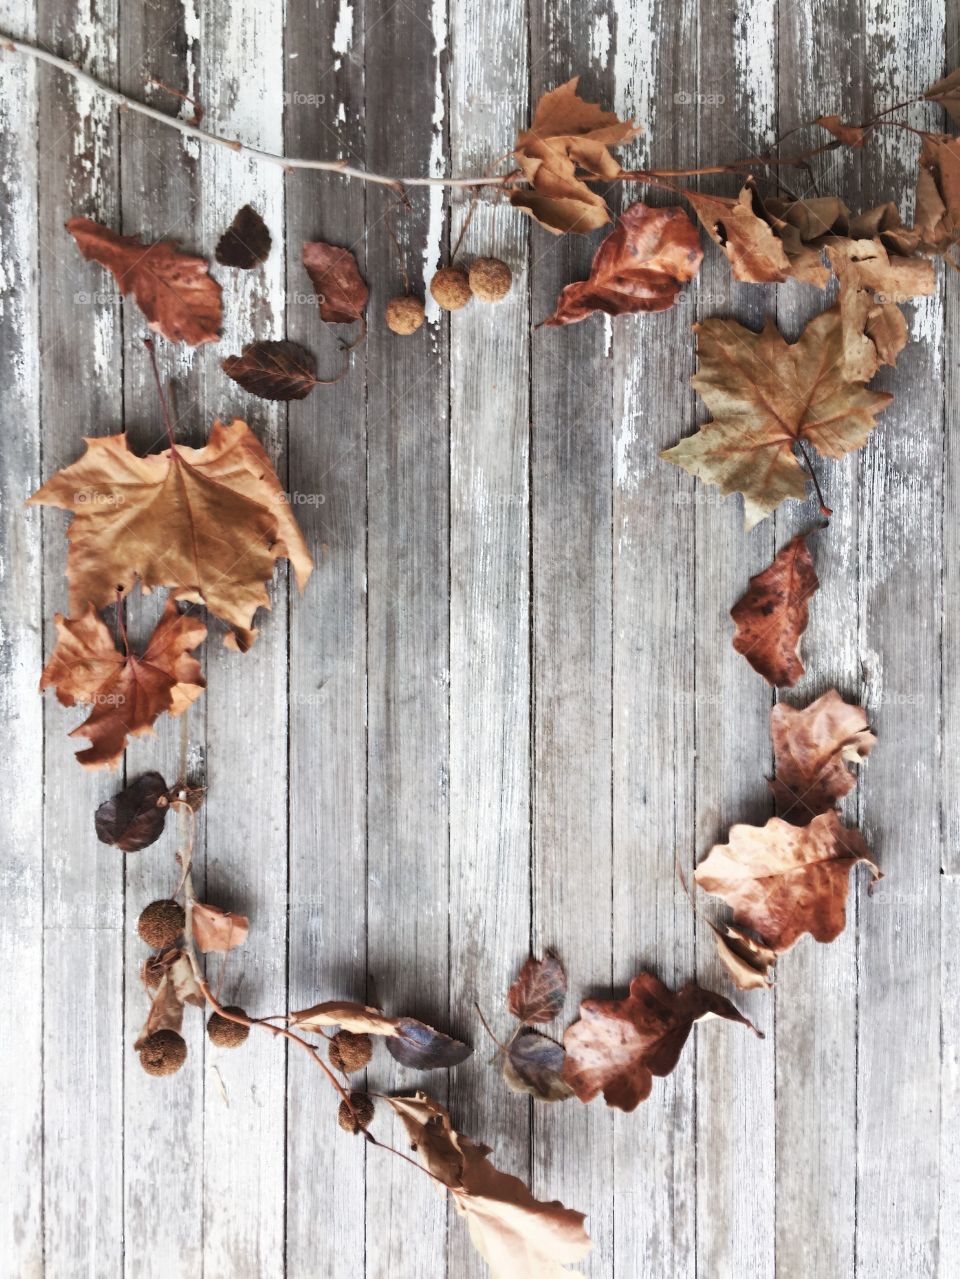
(947,93)
(568,140)
(216,929)
(772,616)
(413,1043)
(134,817)
(173,290)
(618,1045)
(246,241)
(209,523)
(638,267)
(754,252)
(342,292)
(512,1231)
(747,960)
(274,370)
(533,1063)
(767,396)
(812,749)
(537,995)
(783,881)
(938,192)
(127,692)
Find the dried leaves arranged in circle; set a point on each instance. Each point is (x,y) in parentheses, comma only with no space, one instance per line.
(173,290)
(411,1042)
(134,818)
(638,267)
(275,370)
(342,292)
(246,241)
(772,616)
(812,750)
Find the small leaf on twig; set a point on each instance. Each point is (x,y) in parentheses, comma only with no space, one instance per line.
(342,292)
(134,817)
(216,929)
(420,1047)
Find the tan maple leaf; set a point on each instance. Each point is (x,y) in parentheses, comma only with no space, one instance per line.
(812,750)
(783,881)
(772,616)
(768,397)
(209,523)
(174,290)
(618,1045)
(513,1232)
(568,140)
(127,692)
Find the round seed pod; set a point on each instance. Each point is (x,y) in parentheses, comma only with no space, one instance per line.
(226,1033)
(490,279)
(163,1053)
(349,1052)
(404,315)
(161,923)
(451,288)
(359,1117)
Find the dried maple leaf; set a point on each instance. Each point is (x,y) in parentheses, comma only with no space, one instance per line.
(246,241)
(638,267)
(947,93)
(134,818)
(342,292)
(127,692)
(768,397)
(618,1045)
(537,995)
(747,960)
(783,881)
(275,370)
(533,1063)
(812,748)
(568,139)
(513,1232)
(210,523)
(172,289)
(216,929)
(938,192)
(411,1042)
(754,252)
(772,616)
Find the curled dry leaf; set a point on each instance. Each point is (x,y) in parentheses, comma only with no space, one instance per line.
(767,397)
(850,135)
(947,93)
(342,292)
(747,960)
(772,616)
(938,192)
(618,1045)
(246,241)
(216,929)
(209,523)
(539,991)
(183,979)
(275,370)
(512,1231)
(755,254)
(166,1011)
(413,1043)
(357,1018)
(638,267)
(127,692)
(783,881)
(134,817)
(533,1063)
(568,140)
(173,290)
(812,750)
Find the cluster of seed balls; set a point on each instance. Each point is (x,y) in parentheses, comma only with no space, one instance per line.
(488,279)
(161,925)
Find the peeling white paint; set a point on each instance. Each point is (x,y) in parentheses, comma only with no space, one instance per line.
(434,244)
(600,40)
(343,32)
(755,60)
(191,31)
(635,67)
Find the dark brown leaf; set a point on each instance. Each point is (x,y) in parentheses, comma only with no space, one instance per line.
(134,818)
(341,290)
(533,1063)
(420,1047)
(274,370)
(246,241)
(538,993)
(772,616)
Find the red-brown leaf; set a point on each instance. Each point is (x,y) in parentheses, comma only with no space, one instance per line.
(772,616)
(341,290)
(812,748)
(273,370)
(216,929)
(538,993)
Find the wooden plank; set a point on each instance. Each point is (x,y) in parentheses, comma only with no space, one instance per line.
(950,709)
(900,592)
(735,1073)
(949,1242)
(571,513)
(21,658)
(328,765)
(654,576)
(83,884)
(408,634)
(490,601)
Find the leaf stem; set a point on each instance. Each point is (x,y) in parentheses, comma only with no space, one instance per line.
(825,510)
(164,410)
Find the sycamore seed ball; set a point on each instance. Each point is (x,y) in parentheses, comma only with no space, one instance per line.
(349,1052)
(404,315)
(352,1120)
(451,288)
(163,1053)
(226,1033)
(161,923)
(490,279)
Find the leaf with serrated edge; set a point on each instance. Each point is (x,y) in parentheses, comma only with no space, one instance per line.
(539,991)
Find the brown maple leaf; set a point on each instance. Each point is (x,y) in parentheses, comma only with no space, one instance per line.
(772,616)
(173,290)
(783,881)
(512,1231)
(769,397)
(210,523)
(754,252)
(342,292)
(539,991)
(127,692)
(638,267)
(618,1045)
(812,750)
(568,140)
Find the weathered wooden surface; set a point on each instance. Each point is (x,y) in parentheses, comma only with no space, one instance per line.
(507,703)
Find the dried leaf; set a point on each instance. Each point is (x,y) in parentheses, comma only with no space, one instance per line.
(513,1232)
(747,960)
(533,1063)
(783,881)
(210,523)
(172,289)
(127,692)
(341,290)
(766,396)
(537,995)
(274,370)
(568,138)
(246,241)
(357,1018)
(420,1047)
(772,616)
(938,192)
(216,929)
(134,817)
(166,1012)
(851,135)
(618,1045)
(183,979)
(947,93)
(638,267)
(812,748)
(754,252)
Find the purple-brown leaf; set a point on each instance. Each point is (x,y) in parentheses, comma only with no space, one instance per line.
(134,817)
(419,1046)
(538,993)
(534,1064)
(273,370)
